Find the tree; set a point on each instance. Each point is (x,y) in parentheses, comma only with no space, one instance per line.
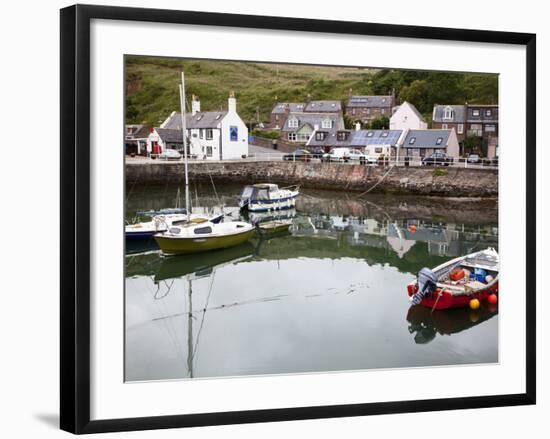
(380,123)
(472,144)
(417,93)
(349,123)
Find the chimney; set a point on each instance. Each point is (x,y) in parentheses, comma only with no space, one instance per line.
(357,126)
(316,127)
(195,105)
(232,103)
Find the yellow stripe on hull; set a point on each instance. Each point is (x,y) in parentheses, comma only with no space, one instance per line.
(197,244)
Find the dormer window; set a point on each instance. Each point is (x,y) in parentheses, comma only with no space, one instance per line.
(384,134)
(475,113)
(439,141)
(293,122)
(320,135)
(342,136)
(326,123)
(488,113)
(448,114)
(412,140)
(370,134)
(218,116)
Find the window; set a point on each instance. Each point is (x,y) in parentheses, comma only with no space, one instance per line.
(460,128)
(476,129)
(233,134)
(320,135)
(327,123)
(439,141)
(353,111)
(201,133)
(209,134)
(444,126)
(488,113)
(384,134)
(303,137)
(448,113)
(412,140)
(490,128)
(370,134)
(475,113)
(276,117)
(202,230)
(383,111)
(293,122)
(208,151)
(342,135)
(378,150)
(292,137)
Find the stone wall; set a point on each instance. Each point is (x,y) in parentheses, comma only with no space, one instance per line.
(458,182)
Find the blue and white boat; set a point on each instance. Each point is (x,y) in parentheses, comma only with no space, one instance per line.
(265,197)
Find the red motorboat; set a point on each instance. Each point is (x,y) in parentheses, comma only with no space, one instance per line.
(456,282)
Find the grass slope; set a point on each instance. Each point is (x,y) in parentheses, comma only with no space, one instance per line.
(152,86)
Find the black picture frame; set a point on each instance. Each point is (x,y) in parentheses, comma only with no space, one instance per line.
(75,218)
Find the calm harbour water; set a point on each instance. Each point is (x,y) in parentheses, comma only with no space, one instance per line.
(329,296)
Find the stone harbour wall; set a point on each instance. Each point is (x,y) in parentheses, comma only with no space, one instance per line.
(452,181)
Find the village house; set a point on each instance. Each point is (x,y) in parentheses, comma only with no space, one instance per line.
(470,120)
(367,108)
(213,135)
(407,117)
(423,143)
(135,139)
(373,143)
(297,120)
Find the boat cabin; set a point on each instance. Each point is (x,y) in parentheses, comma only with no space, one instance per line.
(263,191)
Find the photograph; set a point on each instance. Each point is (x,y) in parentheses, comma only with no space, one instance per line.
(301,219)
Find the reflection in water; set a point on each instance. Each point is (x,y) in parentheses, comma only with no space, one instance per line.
(328,296)
(425,324)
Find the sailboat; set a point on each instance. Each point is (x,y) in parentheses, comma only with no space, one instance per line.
(161,220)
(200,234)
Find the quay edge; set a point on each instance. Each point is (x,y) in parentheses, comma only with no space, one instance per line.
(452,182)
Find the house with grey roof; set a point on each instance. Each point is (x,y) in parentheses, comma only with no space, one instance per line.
(374,143)
(299,126)
(367,108)
(135,139)
(423,143)
(212,135)
(407,117)
(470,120)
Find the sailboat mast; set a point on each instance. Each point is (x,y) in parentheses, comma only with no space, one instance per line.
(184,133)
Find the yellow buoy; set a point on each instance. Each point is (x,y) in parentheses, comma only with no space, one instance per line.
(474,304)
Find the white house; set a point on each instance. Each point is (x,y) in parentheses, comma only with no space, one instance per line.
(406,116)
(213,135)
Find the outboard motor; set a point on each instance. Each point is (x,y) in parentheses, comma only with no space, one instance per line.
(426,284)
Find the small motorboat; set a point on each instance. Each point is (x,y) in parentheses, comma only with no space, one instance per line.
(456,282)
(198,235)
(275,227)
(265,197)
(161,223)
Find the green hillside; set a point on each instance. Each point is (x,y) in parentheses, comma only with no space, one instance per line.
(152,86)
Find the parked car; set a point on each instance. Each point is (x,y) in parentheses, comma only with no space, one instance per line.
(358,155)
(336,155)
(317,152)
(473,158)
(437,158)
(169,154)
(301,155)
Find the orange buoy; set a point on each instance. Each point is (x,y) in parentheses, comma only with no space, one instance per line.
(492,299)
(474,304)
(412,228)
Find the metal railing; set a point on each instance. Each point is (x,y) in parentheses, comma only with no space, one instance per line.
(405,161)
